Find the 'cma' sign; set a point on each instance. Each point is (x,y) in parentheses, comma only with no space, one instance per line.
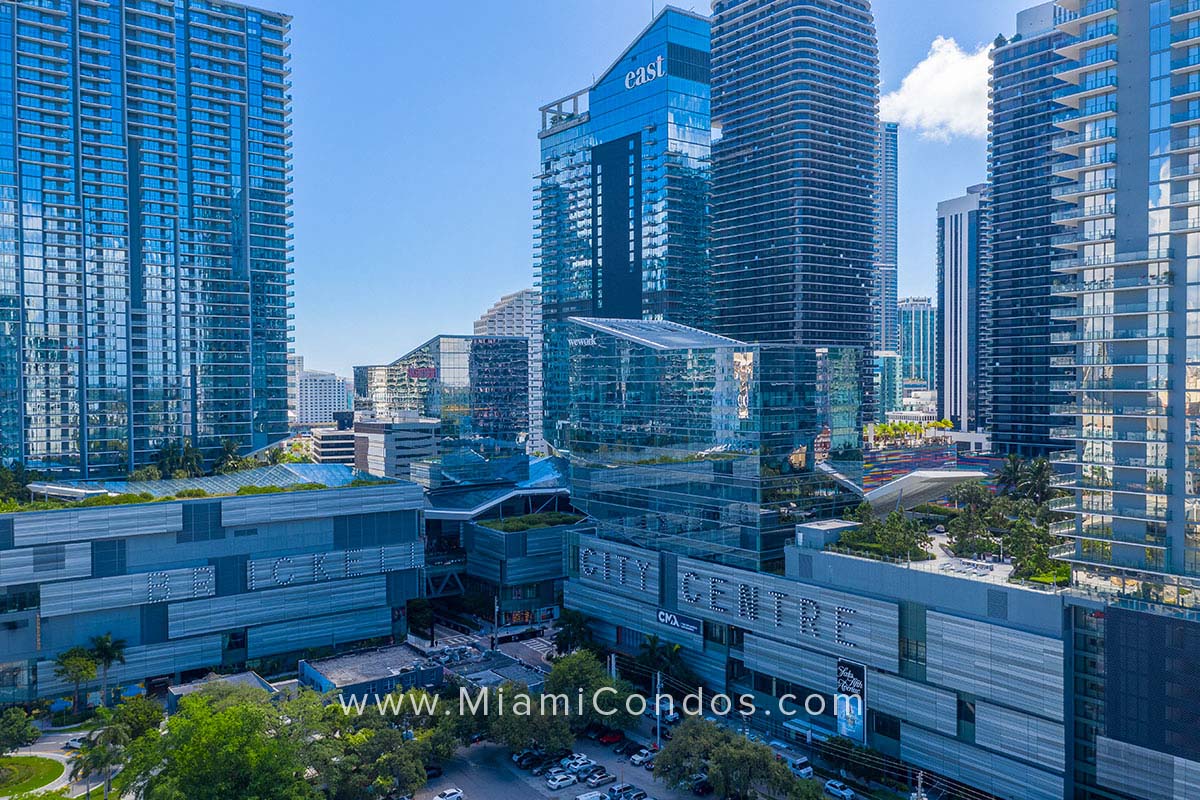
(641,75)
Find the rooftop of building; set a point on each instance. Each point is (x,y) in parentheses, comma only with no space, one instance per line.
(249,678)
(658,334)
(371,665)
(258,480)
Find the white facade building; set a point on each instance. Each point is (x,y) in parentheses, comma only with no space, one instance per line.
(319,395)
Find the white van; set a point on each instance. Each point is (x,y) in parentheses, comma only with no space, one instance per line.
(590,796)
(800,767)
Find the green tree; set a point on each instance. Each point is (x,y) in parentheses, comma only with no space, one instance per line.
(523,725)
(76,666)
(208,752)
(745,769)
(231,459)
(16,730)
(689,751)
(582,673)
(108,742)
(571,631)
(1038,482)
(147,473)
(1011,474)
(106,651)
(139,715)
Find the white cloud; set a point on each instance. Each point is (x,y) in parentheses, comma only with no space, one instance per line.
(945,96)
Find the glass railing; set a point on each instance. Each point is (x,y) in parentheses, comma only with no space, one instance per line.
(1191,87)
(1185,116)
(1191,32)
(1069,139)
(1185,62)
(1074,287)
(1076,187)
(1185,8)
(1098,32)
(1111,385)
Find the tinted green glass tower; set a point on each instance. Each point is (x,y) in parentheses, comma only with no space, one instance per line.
(144,230)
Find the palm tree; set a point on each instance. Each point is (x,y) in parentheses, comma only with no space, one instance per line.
(1010,476)
(571,631)
(230,459)
(109,741)
(1038,484)
(107,651)
(652,652)
(85,762)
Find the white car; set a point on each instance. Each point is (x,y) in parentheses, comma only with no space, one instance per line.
(565,760)
(800,767)
(839,790)
(640,757)
(579,765)
(75,743)
(557,782)
(453,793)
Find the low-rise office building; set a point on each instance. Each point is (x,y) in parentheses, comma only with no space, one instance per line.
(388,448)
(224,573)
(372,674)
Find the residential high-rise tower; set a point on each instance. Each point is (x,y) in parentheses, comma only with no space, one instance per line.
(887,213)
(145,280)
(961,309)
(1026,342)
(795,98)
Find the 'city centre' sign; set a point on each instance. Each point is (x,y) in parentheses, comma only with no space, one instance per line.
(641,75)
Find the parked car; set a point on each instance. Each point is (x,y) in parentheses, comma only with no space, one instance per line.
(619,790)
(556,782)
(701,786)
(433,771)
(640,757)
(627,748)
(600,779)
(529,760)
(636,794)
(576,767)
(543,767)
(569,757)
(671,717)
(75,742)
(839,790)
(477,737)
(453,793)
(611,737)
(517,756)
(587,772)
(800,767)
(648,765)
(591,796)
(664,732)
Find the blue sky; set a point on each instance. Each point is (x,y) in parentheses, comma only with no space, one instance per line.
(415,146)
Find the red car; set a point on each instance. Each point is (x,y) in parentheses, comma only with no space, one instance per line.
(611,737)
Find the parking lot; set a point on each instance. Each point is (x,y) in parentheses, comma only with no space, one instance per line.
(486,772)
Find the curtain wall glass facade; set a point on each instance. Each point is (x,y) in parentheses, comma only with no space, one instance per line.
(144,230)
(621,203)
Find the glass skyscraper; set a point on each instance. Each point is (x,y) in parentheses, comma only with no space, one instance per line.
(621,204)
(795,99)
(887,256)
(1026,342)
(918,338)
(705,446)
(144,230)
(478,386)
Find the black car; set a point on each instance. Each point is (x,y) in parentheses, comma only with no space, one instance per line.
(529,760)
(595,769)
(594,731)
(476,738)
(664,731)
(545,765)
(627,748)
(433,771)
(702,788)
